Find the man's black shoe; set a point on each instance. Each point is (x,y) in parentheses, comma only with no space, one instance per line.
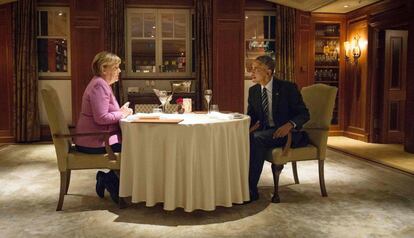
(253,197)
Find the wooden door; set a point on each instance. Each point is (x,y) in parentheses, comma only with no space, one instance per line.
(394,86)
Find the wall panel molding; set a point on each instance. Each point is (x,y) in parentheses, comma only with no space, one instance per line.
(87,39)
(6,75)
(228,58)
(303,48)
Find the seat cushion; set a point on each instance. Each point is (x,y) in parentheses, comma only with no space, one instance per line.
(310,152)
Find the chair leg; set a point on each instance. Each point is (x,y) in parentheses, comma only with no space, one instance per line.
(322,178)
(68,180)
(63,179)
(295,172)
(276,169)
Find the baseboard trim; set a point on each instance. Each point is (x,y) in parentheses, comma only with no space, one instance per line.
(356,136)
(7,139)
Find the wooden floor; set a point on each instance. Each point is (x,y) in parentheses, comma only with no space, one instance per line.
(392,155)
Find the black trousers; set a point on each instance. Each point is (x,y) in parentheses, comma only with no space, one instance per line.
(261,143)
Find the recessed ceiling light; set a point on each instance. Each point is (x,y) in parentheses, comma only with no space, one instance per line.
(247,17)
(346,6)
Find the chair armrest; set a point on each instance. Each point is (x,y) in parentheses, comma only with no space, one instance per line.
(105,134)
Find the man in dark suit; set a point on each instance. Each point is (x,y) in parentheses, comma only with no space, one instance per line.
(275,107)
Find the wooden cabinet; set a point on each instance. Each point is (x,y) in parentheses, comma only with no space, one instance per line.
(328,61)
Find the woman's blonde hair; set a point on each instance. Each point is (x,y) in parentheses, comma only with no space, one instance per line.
(103,59)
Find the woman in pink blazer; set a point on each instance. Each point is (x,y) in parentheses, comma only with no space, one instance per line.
(101,112)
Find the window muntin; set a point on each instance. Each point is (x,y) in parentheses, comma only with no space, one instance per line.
(259,36)
(158,42)
(53,41)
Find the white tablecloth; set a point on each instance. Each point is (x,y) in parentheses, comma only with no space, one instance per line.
(200,163)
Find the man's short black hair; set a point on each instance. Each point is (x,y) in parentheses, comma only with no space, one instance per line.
(268,61)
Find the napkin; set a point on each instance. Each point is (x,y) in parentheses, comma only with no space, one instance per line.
(222,116)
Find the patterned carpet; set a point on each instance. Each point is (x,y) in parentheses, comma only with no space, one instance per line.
(392,155)
(364,200)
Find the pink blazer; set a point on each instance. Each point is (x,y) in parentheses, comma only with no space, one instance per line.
(100,112)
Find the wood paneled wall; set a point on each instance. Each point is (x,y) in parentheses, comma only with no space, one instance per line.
(158,3)
(259,5)
(409,106)
(6,74)
(87,35)
(303,49)
(384,15)
(228,48)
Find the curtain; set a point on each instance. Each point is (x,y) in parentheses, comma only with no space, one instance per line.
(114,37)
(25,83)
(285,43)
(203,49)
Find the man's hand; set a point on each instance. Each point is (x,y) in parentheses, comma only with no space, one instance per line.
(283,130)
(254,127)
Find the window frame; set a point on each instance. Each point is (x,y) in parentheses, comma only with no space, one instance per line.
(158,43)
(67,38)
(258,14)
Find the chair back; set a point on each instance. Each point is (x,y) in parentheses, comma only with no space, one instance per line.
(148,108)
(57,125)
(320,101)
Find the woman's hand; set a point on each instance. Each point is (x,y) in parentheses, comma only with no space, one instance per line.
(126,111)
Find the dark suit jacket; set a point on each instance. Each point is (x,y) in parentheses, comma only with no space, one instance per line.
(287,105)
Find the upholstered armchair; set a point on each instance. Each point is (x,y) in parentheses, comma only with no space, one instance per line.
(68,158)
(320,101)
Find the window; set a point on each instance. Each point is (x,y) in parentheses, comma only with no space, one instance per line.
(259,36)
(158,42)
(53,41)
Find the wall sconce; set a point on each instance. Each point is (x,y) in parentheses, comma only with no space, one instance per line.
(353,50)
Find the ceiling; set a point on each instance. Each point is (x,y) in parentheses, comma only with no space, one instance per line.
(326,6)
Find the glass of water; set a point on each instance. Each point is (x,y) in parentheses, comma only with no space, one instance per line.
(208,94)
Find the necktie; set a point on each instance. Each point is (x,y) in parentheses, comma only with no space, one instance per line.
(265,105)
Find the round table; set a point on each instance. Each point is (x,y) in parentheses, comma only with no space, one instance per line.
(199,163)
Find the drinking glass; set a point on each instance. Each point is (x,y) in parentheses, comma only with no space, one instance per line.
(208,94)
(214,108)
(163,96)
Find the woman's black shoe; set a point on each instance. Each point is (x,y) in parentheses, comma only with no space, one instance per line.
(100,184)
(112,185)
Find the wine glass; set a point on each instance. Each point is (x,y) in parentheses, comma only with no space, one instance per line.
(208,94)
(163,96)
